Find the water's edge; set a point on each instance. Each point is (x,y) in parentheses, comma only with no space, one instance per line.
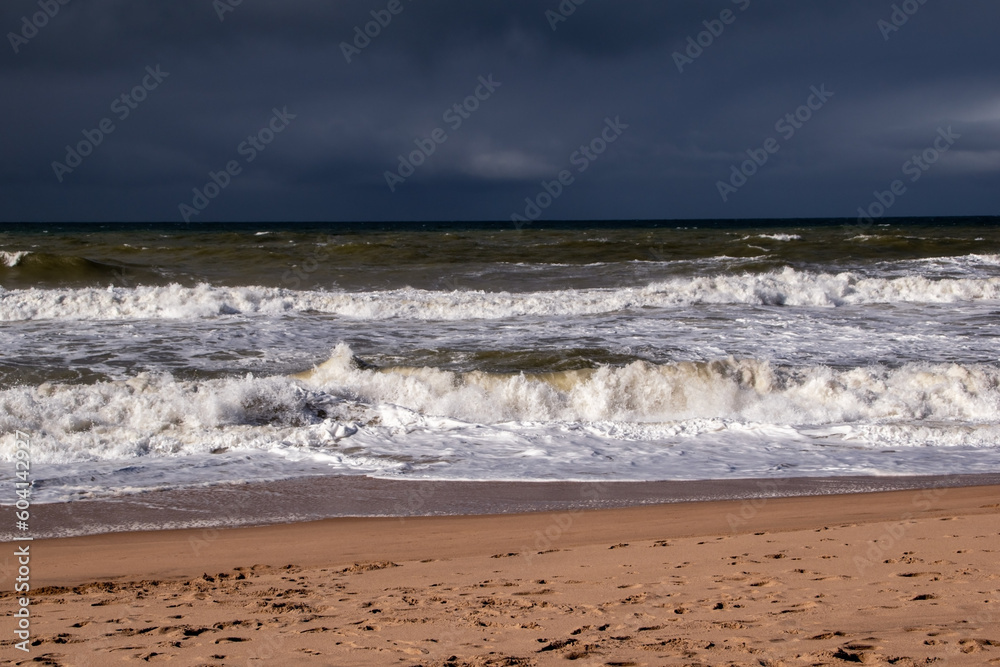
(315,498)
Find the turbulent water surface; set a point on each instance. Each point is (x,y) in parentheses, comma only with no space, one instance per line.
(140,357)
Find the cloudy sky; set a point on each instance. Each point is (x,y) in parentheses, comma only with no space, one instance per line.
(642,121)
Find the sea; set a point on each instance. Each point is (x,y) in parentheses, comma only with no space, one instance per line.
(143,358)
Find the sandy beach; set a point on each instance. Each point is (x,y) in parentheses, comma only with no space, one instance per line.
(902,578)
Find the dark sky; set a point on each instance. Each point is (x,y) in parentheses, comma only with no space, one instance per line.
(892,92)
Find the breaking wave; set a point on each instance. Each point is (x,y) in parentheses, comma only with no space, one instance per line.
(737,389)
(156,415)
(30,269)
(788,287)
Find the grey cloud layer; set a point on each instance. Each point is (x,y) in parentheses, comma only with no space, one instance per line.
(354,120)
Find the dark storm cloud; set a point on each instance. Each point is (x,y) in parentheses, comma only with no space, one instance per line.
(686,130)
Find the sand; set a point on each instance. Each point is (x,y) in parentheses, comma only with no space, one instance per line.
(902,578)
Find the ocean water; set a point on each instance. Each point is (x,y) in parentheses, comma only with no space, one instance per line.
(141,357)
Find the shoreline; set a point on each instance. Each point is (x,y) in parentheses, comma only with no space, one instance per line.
(317,498)
(179,552)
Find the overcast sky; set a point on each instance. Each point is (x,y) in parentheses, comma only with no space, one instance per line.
(675,118)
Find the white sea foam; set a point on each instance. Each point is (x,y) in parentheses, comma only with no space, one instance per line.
(788,287)
(12,259)
(747,390)
(962,261)
(777,237)
(727,418)
(157,415)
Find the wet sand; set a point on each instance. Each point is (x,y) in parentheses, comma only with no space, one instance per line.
(328,496)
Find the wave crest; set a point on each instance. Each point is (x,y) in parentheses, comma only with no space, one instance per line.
(739,389)
(780,288)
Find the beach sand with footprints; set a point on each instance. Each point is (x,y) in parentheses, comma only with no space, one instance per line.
(897,578)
